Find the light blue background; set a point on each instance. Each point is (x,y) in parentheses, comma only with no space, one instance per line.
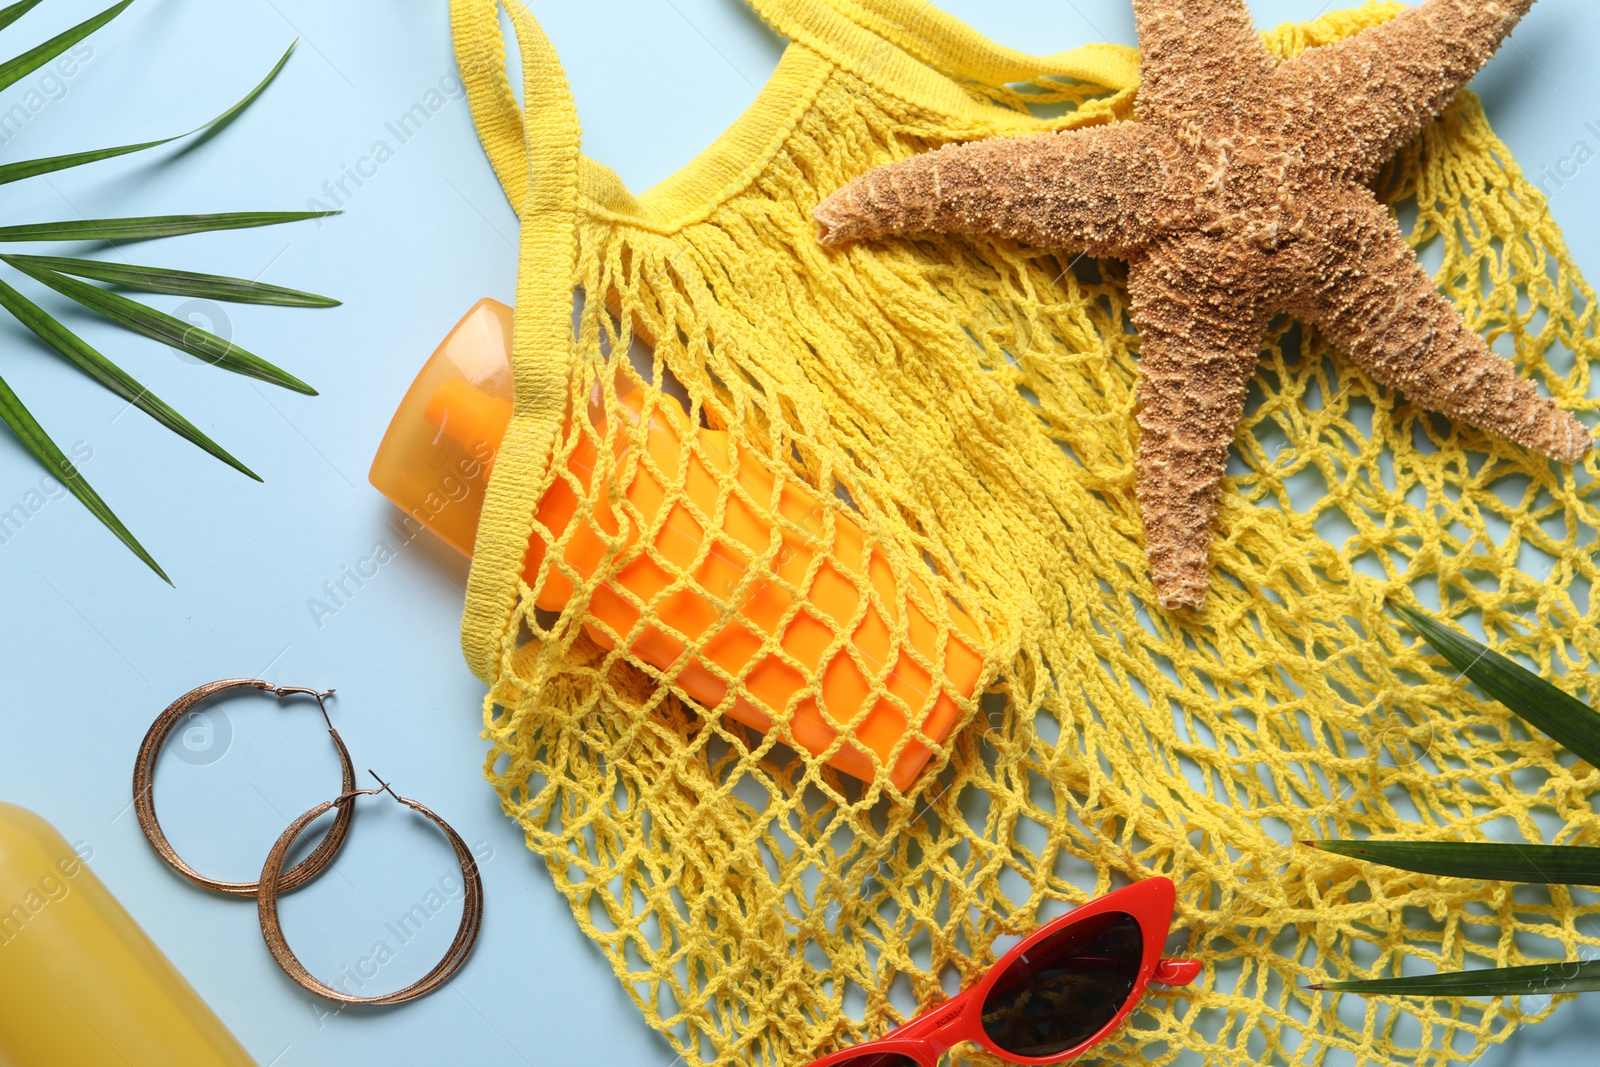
(92,646)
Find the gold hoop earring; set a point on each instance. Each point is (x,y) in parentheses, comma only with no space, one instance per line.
(272,930)
(144,775)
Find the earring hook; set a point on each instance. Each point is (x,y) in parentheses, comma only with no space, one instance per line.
(383,787)
(283,691)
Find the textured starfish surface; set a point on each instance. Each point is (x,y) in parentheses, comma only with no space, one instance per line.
(1241,191)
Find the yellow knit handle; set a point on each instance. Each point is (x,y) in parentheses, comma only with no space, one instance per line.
(866,37)
(956,49)
(481,57)
(537,158)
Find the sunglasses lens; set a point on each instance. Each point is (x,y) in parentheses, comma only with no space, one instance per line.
(879,1059)
(1066,989)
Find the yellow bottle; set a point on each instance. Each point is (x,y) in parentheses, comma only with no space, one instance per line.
(80,984)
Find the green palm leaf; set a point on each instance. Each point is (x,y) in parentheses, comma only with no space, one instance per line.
(35,440)
(1559,714)
(160,326)
(63,275)
(29,168)
(145,228)
(1535,980)
(83,356)
(177,282)
(1488,861)
(11,14)
(19,67)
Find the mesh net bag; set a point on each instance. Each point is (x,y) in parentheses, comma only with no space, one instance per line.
(968,404)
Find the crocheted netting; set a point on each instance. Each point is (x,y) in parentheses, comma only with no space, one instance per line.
(973,401)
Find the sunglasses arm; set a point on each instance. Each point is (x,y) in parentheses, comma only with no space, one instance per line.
(933,1020)
(1176,972)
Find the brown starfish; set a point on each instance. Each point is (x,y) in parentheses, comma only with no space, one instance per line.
(1240,192)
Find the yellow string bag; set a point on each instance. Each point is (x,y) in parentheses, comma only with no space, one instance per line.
(974,399)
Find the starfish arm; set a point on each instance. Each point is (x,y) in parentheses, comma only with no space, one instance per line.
(1368,294)
(1199,344)
(1361,100)
(1197,57)
(1097,189)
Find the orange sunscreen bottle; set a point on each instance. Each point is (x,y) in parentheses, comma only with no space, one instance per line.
(80,984)
(434,464)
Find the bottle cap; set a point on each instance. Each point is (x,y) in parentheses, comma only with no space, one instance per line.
(435,457)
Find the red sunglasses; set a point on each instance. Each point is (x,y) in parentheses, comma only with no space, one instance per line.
(1066,987)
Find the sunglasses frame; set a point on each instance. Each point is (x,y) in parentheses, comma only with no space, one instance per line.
(934,1032)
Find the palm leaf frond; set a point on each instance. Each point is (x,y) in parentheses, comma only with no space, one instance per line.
(1534,980)
(19,67)
(63,275)
(29,168)
(86,358)
(147,227)
(1482,860)
(1561,715)
(177,282)
(36,441)
(159,326)
(13,12)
